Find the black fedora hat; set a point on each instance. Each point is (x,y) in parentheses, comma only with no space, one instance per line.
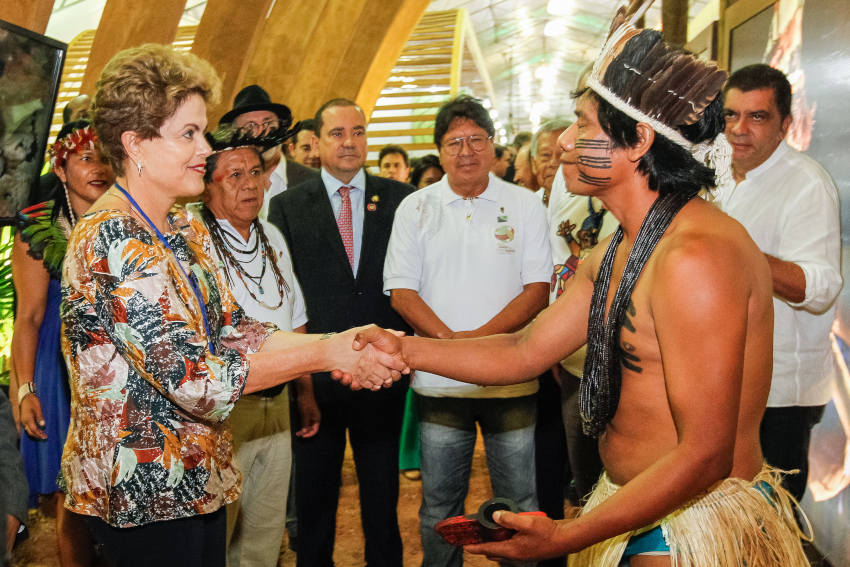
(255,97)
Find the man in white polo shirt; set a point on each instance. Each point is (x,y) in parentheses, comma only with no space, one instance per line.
(469,256)
(789,205)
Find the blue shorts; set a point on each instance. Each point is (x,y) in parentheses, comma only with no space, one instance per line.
(652,542)
(647,543)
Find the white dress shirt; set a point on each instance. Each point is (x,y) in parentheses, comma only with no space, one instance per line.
(789,206)
(278,186)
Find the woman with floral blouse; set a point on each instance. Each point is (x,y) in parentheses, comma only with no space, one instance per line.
(157,349)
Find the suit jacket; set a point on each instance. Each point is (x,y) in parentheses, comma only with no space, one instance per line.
(335,300)
(297,173)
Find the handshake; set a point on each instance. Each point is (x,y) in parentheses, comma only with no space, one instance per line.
(367,357)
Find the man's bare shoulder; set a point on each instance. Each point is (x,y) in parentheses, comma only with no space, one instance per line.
(707,240)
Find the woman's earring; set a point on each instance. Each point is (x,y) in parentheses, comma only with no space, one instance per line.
(139,165)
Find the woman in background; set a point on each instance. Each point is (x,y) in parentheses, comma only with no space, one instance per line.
(41,380)
(425,170)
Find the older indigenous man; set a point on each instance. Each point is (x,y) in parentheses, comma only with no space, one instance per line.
(304,146)
(679,335)
(256,264)
(469,257)
(254,113)
(337,226)
(545,155)
(789,205)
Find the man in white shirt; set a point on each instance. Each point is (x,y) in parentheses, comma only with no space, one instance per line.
(257,266)
(789,205)
(255,113)
(468,257)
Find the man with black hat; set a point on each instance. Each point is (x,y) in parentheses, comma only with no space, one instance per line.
(254,112)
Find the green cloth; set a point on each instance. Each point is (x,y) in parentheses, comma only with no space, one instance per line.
(408,449)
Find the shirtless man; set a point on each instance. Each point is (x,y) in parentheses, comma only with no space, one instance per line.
(694,353)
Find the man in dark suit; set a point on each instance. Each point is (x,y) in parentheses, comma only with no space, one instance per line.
(254,111)
(337,227)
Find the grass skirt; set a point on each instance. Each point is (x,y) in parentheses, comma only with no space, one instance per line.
(736,523)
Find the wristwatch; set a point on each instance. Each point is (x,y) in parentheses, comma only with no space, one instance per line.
(25,390)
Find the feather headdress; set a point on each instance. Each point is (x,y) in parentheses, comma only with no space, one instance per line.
(663,86)
(227,137)
(71,141)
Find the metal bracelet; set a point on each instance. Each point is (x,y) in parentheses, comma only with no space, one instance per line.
(25,390)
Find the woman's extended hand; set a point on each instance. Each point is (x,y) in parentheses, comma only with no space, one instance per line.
(377,358)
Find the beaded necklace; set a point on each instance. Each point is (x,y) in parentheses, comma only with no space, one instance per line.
(599,392)
(222,241)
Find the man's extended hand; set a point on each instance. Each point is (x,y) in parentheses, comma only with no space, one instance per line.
(378,354)
(387,341)
(309,415)
(533,541)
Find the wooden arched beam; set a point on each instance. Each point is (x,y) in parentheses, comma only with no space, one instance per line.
(30,14)
(128,23)
(227,36)
(310,52)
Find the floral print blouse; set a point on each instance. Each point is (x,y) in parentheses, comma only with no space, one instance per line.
(148,441)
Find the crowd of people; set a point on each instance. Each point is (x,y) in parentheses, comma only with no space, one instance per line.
(621,389)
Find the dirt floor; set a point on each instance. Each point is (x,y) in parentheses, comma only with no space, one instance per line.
(40,549)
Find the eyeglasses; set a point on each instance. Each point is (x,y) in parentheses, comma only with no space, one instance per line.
(265,126)
(475,143)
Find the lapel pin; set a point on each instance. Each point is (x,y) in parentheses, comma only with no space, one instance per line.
(373,205)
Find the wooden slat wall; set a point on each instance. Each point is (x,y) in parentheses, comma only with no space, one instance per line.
(228,34)
(398,56)
(76,62)
(426,74)
(311,52)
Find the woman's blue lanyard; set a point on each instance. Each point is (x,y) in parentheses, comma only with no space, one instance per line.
(191,280)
